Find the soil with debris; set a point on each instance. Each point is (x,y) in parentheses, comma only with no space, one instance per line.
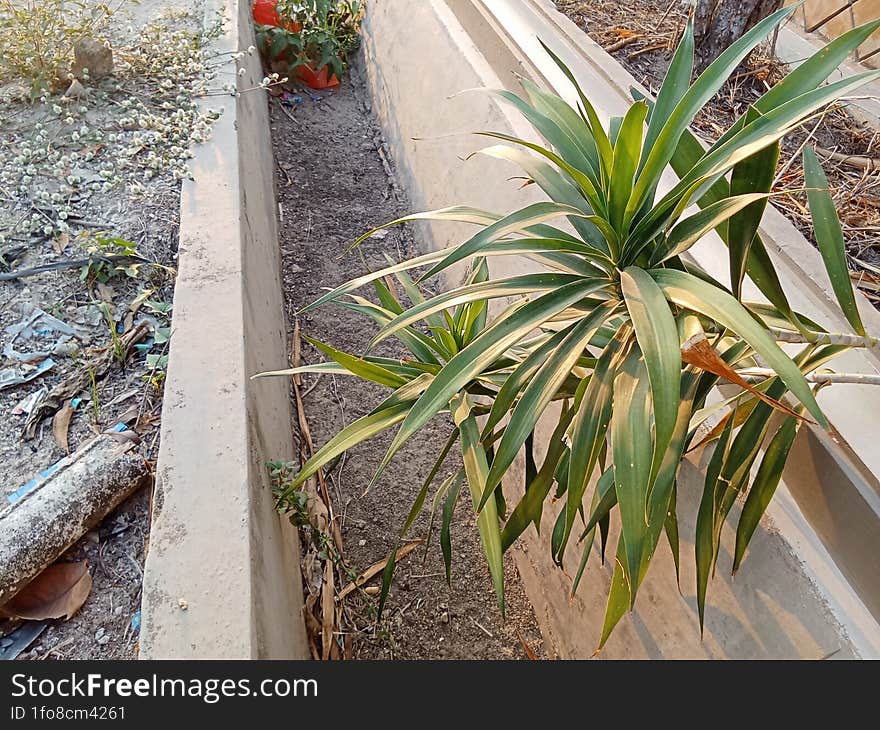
(79,176)
(642,36)
(333,184)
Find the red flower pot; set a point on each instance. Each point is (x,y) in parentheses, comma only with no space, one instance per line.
(316,79)
(266,13)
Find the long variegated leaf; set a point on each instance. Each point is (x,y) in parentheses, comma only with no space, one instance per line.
(689,231)
(361,430)
(632,449)
(476,468)
(703,89)
(590,426)
(698,296)
(541,390)
(657,336)
(627,149)
(752,175)
(530,507)
(764,487)
(503,333)
(517,285)
(512,223)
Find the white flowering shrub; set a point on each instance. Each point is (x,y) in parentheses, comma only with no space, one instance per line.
(112,138)
(37,37)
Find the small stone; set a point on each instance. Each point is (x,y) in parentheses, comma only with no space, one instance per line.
(117,611)
(444,617)
(183,604)
(65,349)
(99,635)
(94,55)
(361,543)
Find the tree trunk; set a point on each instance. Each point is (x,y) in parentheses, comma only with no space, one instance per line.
(718,23)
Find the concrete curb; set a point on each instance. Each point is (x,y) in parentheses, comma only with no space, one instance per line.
(222,573)
(793,598)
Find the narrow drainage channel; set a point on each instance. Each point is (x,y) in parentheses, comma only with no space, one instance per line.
(332,185)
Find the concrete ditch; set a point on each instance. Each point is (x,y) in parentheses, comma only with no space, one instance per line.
(807,589)
(222,574)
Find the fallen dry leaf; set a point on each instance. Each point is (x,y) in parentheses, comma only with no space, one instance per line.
(378,567)
(58,592)
(105,292)
(127,437)
(60,243)
(61,425)
(530,653)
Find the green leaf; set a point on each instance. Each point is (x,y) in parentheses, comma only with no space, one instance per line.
(476,468)
(543,249)
(559,189)
(358,366)
(627,150)
(467,364)
(764,487)
(689,231)
(704,544)
(590,425)
(574,144)
(361,430)
(670,526)
(632,450)
(603,144)
(452,490)
(829,237)
(703,89)
(512,223)
(529,509)
(520,377)
(675,85)
(752,175)
(541,390)
(657,335)
(493,289)
(690,292)
(618,596)
(581,179)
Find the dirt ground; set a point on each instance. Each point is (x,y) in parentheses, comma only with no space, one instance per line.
(642,36)
(332,186)
(116,179)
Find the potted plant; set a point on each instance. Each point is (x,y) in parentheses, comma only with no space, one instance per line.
(623,329)
(310,38)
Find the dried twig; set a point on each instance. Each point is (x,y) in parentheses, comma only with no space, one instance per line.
(859,161)
(377,568)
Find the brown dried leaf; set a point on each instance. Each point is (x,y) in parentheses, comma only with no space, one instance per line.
(530,653)
(105,292)
(124,437)
(698,352)
(61,425)
(60,243)
(57,592)
(328,610)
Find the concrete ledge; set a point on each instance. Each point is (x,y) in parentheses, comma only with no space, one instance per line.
(222,572)
(804,589)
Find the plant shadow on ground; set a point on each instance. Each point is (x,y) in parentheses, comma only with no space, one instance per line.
(332,186)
